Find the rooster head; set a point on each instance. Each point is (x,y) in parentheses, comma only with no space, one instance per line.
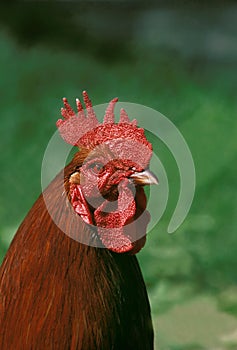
(110,170)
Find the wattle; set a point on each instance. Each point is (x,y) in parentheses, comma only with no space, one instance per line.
(121,230)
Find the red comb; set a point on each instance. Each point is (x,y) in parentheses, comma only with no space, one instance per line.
(75,125)
(83,129)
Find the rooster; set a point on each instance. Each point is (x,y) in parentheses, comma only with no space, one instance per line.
(70,279)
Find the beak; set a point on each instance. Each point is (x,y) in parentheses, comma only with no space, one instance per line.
(145,177)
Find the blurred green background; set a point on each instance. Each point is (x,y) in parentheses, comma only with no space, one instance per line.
(179,58)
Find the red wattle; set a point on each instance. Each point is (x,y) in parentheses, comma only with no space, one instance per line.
(111,223)
(120,229)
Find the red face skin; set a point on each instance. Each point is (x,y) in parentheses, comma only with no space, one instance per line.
(109,183)
(117,203)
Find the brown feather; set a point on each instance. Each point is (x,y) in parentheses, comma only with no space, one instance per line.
(56,293)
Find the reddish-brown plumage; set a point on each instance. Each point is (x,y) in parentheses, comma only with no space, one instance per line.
(56,293)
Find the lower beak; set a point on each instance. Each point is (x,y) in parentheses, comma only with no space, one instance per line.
(145,177)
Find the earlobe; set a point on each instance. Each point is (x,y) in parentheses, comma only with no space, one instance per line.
(79,203)
(75,178)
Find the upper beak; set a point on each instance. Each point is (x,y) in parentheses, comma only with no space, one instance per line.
(145,177)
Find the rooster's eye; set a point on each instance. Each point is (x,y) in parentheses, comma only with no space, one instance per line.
(96,167)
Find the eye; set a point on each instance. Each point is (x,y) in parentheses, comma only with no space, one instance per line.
(95,167)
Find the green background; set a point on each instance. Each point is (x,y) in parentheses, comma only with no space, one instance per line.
(180,60)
